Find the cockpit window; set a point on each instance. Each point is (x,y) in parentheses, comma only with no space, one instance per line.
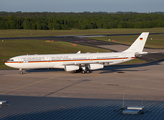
(11,60)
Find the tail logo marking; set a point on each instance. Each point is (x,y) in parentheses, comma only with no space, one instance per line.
(141,38)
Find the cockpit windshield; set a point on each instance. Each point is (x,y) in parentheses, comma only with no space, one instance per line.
(11,60)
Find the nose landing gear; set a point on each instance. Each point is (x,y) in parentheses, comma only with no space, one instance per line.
(20,71)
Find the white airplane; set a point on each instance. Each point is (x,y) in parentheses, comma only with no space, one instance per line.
(79,61)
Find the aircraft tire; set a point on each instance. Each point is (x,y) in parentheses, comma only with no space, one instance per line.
(21,72)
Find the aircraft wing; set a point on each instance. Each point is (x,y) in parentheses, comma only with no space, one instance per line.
(89,62)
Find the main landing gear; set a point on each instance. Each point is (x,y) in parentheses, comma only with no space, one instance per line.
(84,70)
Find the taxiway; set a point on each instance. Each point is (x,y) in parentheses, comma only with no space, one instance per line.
(137,81)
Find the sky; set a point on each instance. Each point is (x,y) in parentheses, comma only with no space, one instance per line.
(141,6)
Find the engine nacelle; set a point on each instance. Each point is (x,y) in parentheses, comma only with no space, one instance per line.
(95,66)
(71,68)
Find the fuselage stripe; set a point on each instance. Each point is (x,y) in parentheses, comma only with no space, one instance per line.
(75,60)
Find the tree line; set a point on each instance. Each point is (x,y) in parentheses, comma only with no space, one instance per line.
(66,21)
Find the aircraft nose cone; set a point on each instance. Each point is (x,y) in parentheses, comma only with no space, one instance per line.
(5,63)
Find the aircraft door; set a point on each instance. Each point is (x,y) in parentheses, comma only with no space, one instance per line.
(20,60)
(124,56)
(49,63)
(91,58)
(49,59)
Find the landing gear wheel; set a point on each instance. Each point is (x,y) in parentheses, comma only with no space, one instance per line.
(83,71)
(21,72)
(87,71)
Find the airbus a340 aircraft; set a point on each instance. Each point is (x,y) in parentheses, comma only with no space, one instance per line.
(79,61)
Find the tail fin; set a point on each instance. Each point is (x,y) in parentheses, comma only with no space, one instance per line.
(139,43)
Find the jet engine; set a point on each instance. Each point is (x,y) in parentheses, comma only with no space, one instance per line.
(71,68)
(95,66)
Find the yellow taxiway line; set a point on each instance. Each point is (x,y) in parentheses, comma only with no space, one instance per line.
(28,85)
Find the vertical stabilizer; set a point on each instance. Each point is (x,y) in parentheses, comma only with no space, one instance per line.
(139,43)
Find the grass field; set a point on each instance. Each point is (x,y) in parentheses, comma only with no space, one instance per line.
(11,48)
(31,33)
(153,41)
